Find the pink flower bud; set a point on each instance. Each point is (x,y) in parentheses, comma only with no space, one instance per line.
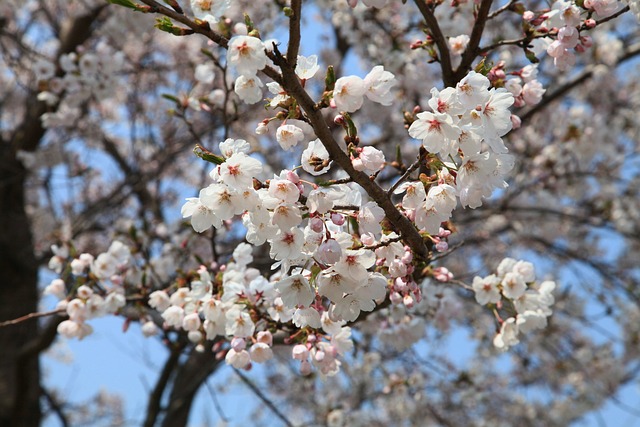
(368,239)
(519,102)
(586,41)
(330,251)
(399,285)
(316,224)
(238,344)
(442,274)
(293,177)
(395,298)
(442,246)
(337,219)
(262,128)
(590,23)
(339,120)
(515,121)
(528,15)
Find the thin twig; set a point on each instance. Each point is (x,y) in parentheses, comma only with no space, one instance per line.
(502,9)
(264,398)
(633,51)
(408,172)
(216,402)
(55,406)
(31,316)
(205,30)
(155,398)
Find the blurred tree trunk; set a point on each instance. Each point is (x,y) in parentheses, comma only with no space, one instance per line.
(19,372)
(22,343)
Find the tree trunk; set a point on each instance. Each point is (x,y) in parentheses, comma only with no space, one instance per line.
(21,344)
(19,371)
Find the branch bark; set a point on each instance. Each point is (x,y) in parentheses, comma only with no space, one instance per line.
(472,50)
(407,230)
(448,75)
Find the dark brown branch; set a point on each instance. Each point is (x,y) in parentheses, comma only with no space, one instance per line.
(203,29)
(55,407)
(472,50)
(292,85)
(441,42)
(294,32)
(155,398)
(524,41)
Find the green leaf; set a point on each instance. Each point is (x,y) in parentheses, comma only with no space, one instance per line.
(330,79)
(207,155)
(165,24)
(248,22)
(171,98)
(531,56)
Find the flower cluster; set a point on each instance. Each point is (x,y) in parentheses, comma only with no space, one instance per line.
(513,289)
(464,130)
(88,75)
(524,86)
(87,303)
(349,91)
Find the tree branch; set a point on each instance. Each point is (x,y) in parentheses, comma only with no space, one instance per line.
(30,316)
(633,51)
(264,398)
(155,398)
(294,32)
(292,85)
(472,50)
(448,75)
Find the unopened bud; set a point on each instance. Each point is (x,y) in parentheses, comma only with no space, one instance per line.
(337,219)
